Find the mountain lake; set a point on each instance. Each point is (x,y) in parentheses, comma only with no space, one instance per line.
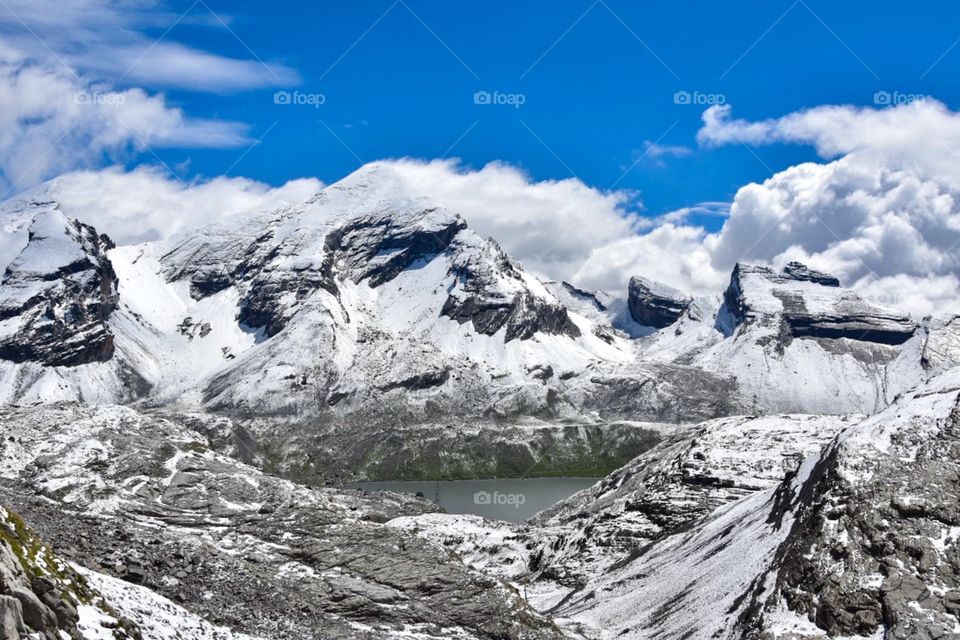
(510,499)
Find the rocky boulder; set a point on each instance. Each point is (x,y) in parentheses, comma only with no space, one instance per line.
(40,593)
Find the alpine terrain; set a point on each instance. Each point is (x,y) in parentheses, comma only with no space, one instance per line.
(179,419)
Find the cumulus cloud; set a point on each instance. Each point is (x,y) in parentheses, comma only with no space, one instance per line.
(883,214)
(671,253)
(873,226)
(146,203)
(920,137)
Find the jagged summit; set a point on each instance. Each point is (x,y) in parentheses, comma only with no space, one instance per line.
(56,296)
(654,304)
(811,304)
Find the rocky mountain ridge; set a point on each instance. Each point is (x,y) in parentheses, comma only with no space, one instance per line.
(58,295)
(779,459)
(231,319)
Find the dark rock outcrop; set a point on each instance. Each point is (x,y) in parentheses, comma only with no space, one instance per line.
(802,273)
(875,539)
(655,305)
(380,246)
(57,295)
(810,304)
(491,293)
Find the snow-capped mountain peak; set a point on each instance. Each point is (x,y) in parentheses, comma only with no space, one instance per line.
(370,300)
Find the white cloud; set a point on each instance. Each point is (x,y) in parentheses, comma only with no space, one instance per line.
(72,78)
(920,137)
(656,151)
(147,203)
(550,226)
(671,253)
(50,122)
(130,42)
(883,214)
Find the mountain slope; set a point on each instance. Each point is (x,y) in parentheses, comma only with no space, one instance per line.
(145,499)
(42,596)
(751,529)
(860,541)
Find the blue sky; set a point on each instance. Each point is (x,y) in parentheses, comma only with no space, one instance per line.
(593,98)
(597,81)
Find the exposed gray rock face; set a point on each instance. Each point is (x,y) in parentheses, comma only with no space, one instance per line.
(941,349)
(270,266)
(379,246)
(57,295)
(374,247)
(655,305)
(40,592)
(810,305)
(11,618)
(656,392)
(492,295)
(876,539)
(145,500)
(670,488)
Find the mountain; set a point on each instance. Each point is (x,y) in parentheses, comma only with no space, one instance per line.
(372,310)
(799,343)
(778,459)
(292,312)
